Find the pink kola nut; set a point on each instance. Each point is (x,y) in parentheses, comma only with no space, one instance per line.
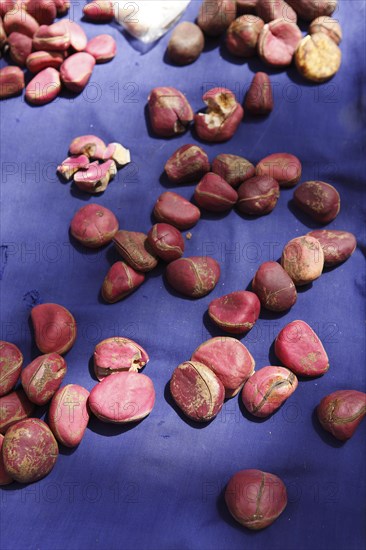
(214,194)
(96,177)
(37,61)
(118,354)
(11,81)
(43,376)
(255,498)
(89,145)
(102,47)
(341,412)
(269,10)
(215,17)
(300,350)
(99,11)
(337,246)
(135,249)
(176,210)
(258,196)
(71,165)
(229,359)
(5,479)
(236,312)
(5,6)
(120,281)
(55,37)
(11,361)
(283,167)
(169,111)
(166,241)
(76,71)
(194,277)
(68,415)
(267,389)
(242,35)
(197,391)
(222,117)
(54,328)
(20,47)
(259,98)
(303,259)
(278,41)
(30,450)
(123,397)
(78,38)
(274,287)
(233,169)
(18,20)
(94,225)
(44,87)
(319,200)
(44,11)
(188,163)
(14,406)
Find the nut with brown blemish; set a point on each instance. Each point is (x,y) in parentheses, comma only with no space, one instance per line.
(43,376)
(186,43)
(214,194)
(236,312)
(233,168)
(188,163)
(194,277)
(222,117)
(215,16)
(94,225)
(242,35)
(89,145)
(135,249)
(318,199)
(166,241)
(14,406)
(318,57)
(327,25)
(120,281)
(337,246)
(118,354)
(11,361)
(310,9)
(303,259)
(278,41)
(176,210)
(259,97)
(274,287)
(169,111)
(258,196)
(341,412)
(283,167)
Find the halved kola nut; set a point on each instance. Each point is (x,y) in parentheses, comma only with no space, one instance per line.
(136,250)
(318,57)
(54,328)
(94,225)
(96,177)
(71,165)
(236,312)
(55,37)
(44,87)
(37,61)
(89,145)
(18,20)
(118,354)
(99,11)
(102,47)
(68,414)
(76,71)
(278,41)
(11,361)
(78,38)
(11,81)
(222,117)
(20,48)
(120,281)
(118,153)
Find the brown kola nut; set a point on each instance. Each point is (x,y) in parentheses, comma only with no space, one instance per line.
(318,199)
(233,168)
(318,57)
(136,250)
(310,9)
(214,194)
(186,43)
(188,163)
(169,111)
(328,26)
(258,196)
(259,97)
(215,16)
(242,35)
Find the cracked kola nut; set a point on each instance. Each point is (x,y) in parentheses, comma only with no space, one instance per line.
(71,165)
(176,210)
(5,478)
(11,81)
(20,48)
(214,194)
(135,249)
(120,281)
(197,391)
(68,415)
(337,246)
(102,47)
(54,328)
(242,35)
(166,241)
(255,499)
(258,196)
(188,163)
(283,167)
(236,312)
(303,259)
(43,376)
(327,25)
(76,71)
(37,61)
(233,168)
(194,277)
(55,37)
(274,287)
(44,87)
(269,10)
(310,9)
(44,11)
(259,98)
(29,450)
(186,43)
(318,57)
(78,38)
(229,359)
(169,111)
(118,153)
(94,225)
(319,200)
(300,350)
(11,361)
(14,406)
(99,11)
(96,177)
(246,6)
(123,397)
(222,117)
(341,412)
(62,6)
(266,390)
(215,17)
(18,20)
(118,354)
(278,41)
(88,145)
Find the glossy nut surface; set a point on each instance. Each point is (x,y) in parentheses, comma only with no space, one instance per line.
(166,241)
(214,194)
(274,287)
(318,199)
(176,210)
(43,376)
(94,225)
(242,35)
(44,87)
(68,414)
(233,168)
(341,412)
(54,328)
(120,281)
(337,246)
(135,249)
(215,17)
(194,277)
(169,111)
(186,43)
(236,312)
(285,168)
(102,47)
(118,354)
(258,196)
(188,163)
(303,259)
(76,71)
(11,361)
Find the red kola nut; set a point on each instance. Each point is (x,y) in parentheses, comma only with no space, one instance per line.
(176,210)
(135,249)
(337,246)
(170,113)
(222,117)
(37,61)
(44,87)
(44,11)
(246,6)
(18,20)
(194,277)
(76,71)
(5,478)
(54,328)
(71,165)
(242,35)
(89,145)
(311,9)
(188,163)
(341,412)
(123,397)
(233,169)
(327,25)
(99,11)
(283,167)
(30,450)
(303,259)
(94,225)
(43,376)
(274,287)
(269,10)
(318,199)
(102,47)
(166,241)
(96,177)
(20,47)
(236,312)
(68,415)
(14,406)
(278,41)
(255,498)
(258,196)
(120,281)
(215,16)
(78,38)
(229,359)
(11,81)
(266,390)
(11,361)
(197,391)
(214,194)
(55,37)
(118,354)
(300,350)
(259,98)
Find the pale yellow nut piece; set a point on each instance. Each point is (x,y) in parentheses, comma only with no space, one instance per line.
(317,57)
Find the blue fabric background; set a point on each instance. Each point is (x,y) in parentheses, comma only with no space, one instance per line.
(159,485)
